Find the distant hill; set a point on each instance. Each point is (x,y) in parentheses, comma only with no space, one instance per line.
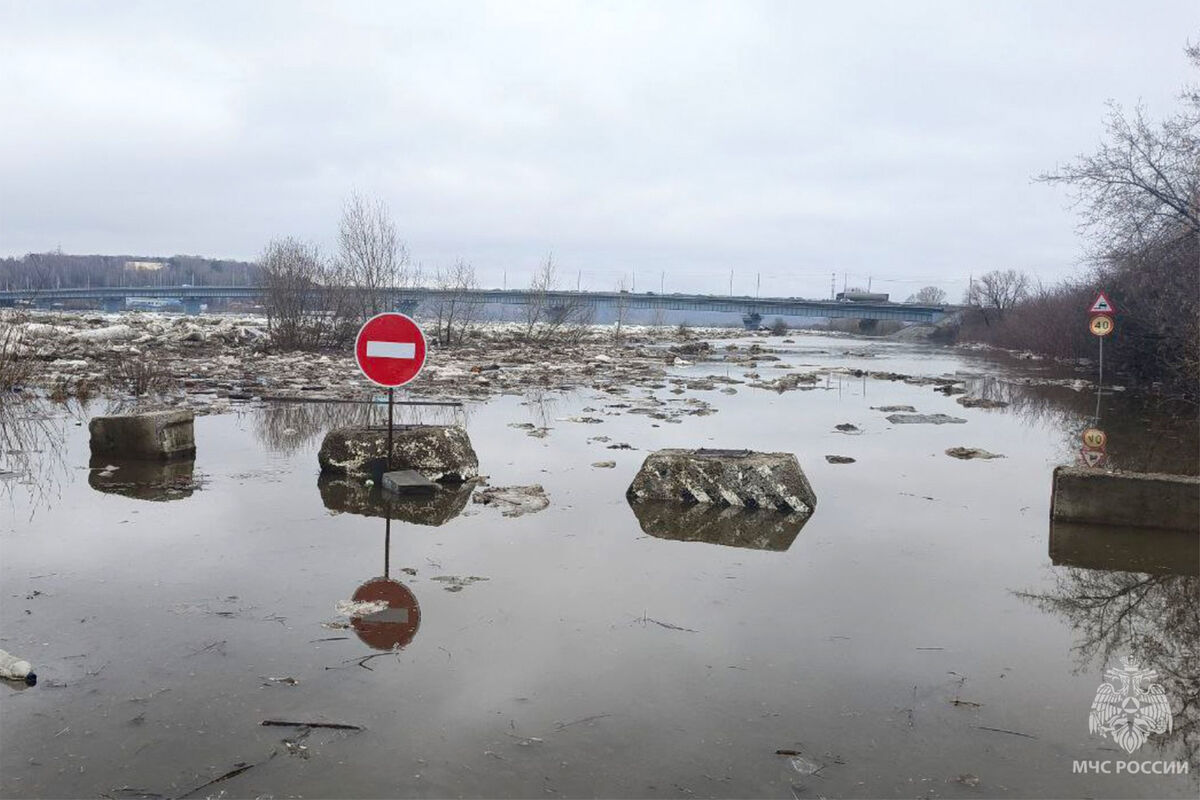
(58,269)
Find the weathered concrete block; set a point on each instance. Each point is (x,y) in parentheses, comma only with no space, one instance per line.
(731,526)
(151,434)
(1135,499)
(439,452)
(725,477)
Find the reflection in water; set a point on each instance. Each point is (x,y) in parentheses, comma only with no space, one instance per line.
(343,494)
(32,444)
(1145,433)
(734,526)
(144,480)
(394,626)
(1116,613)
(1113,547)
(289,427)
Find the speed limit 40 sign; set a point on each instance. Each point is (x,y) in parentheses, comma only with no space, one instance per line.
(1101,325)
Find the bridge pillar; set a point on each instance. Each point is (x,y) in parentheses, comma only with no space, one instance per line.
(752,321)
(557,314)
(192,306)
(866,325)
(113,304)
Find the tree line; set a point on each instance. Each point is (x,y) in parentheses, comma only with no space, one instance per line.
(1139,201)
(56,270)
(315,300)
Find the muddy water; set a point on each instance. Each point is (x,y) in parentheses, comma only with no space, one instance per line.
(913,638)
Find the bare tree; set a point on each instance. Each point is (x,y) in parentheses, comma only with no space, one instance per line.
(544,279)
(997,292)
(622,309)
(371,255)
(1143,185)
(303,295)
(1139,196)
(928,296)
(551,314)
(456,307)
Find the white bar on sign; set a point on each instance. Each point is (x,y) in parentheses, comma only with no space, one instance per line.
(391,350)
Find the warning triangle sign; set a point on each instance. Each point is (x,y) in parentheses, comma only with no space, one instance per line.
(1093,458)
(1102,305)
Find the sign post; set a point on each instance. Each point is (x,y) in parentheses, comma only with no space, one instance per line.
(390,351)
(1101,324)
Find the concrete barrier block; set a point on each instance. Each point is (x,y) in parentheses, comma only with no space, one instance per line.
(1134,499)
(439,452)
(725,477)
(150,434)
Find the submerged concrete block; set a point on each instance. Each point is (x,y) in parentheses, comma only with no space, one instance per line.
(408,481)
(151,434)
(439,452)
(725,477)
(1135,499)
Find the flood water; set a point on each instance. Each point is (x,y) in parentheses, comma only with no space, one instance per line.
(914,638)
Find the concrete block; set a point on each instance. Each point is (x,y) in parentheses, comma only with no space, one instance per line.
(725,477)
(1133,499)
(439,452)
(151,434)
(408,481)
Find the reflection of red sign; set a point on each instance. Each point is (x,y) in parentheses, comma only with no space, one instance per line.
(397,624)
(390,349)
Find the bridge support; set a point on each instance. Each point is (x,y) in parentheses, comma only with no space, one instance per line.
(191,306)
(867,325)
(112,304)
(752,321)
(557,314)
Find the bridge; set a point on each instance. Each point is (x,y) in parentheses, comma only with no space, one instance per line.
(752,309)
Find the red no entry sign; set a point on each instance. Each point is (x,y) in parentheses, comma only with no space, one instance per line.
(390,349)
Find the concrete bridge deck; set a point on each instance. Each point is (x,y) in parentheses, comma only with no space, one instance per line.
(114,298)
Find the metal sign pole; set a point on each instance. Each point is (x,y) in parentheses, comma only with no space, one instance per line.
(1100,380)
(391,408)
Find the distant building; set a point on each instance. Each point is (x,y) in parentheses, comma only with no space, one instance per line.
(144,266)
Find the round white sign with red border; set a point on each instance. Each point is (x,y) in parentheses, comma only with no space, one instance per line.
(390,349)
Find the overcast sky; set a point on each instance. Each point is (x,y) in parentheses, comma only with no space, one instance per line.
(677,141)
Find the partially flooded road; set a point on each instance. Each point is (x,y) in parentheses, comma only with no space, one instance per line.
(912,638)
